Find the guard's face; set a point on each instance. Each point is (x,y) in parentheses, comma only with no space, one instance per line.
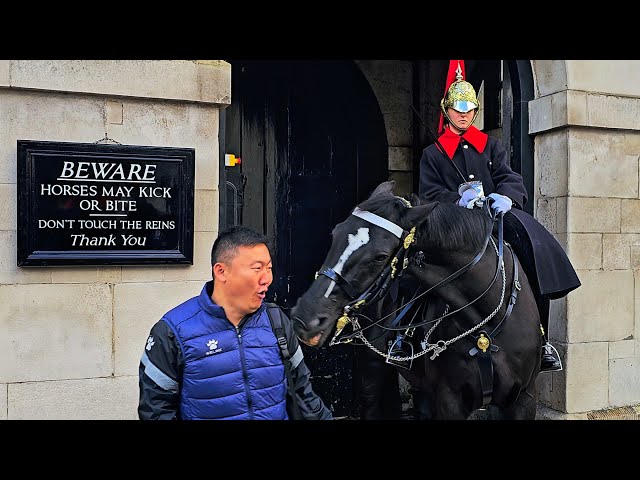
(460,120)
(248,277)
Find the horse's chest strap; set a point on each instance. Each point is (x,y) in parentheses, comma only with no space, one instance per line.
(482,351)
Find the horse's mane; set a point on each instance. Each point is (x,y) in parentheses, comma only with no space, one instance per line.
(447,227)
(452,227)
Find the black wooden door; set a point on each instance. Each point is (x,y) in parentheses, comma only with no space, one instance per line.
(312,144)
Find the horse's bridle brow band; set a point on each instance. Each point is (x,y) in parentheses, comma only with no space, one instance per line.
(379,221)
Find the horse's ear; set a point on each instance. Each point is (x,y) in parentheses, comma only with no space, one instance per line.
(384,187)
(416,215)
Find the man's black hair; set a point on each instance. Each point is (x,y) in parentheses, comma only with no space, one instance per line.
(226,245)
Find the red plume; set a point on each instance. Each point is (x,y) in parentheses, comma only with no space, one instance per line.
(451,76)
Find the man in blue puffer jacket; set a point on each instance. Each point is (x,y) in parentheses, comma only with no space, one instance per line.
(216,356)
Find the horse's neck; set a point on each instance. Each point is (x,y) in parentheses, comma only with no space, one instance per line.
(468,285)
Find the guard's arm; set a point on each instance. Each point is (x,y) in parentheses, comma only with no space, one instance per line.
(432,186)
(159,375)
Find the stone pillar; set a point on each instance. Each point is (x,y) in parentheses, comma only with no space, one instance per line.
(586,122)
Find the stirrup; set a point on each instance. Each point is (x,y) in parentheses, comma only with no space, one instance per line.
(400,348)
(550,350)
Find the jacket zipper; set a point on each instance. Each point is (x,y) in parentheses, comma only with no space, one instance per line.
(245,375)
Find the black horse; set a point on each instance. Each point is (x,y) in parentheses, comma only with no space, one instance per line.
(475,343)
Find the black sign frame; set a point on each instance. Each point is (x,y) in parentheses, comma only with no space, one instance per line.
(30,238)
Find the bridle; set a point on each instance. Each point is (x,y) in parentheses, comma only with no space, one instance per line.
(379,288)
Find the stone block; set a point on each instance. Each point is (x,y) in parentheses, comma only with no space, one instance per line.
(622,349)
(608,76)
(587,374)
(576,108)
(624,388)
(113,112)
(540,119)
(602,309)
(45,116)
(3,393)
(561,214)
(207,209)
(608,111)
(616,250)
(214,82)
(8,207)
(137,307)
(585,250)
(181,125)
(9,270)
(630,216)
(151,273)
(163,79)
(546,213)
(5,73)
(551,76)
(400,158)
(86,275)
(558,320)
(599,166)
(635,257)
(55,332)
(584,215)
(551,154)
(110,398)
(632,143)
(201,268)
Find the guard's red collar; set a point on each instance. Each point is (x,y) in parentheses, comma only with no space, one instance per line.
(450,140)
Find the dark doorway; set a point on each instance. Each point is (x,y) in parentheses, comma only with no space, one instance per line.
(312,144)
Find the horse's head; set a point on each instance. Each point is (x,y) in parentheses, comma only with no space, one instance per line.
(362,252)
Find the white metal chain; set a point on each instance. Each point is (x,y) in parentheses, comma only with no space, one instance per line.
(441,345)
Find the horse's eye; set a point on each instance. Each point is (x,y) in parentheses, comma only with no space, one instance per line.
(381,257)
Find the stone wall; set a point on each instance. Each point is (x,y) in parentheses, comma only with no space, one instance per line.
(71,337)
(586,122)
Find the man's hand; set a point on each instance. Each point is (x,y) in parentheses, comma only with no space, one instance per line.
(468,197)
(500,203)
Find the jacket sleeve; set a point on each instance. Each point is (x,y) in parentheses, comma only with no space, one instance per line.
(432,186)
(309,403)
(506,181)
(159,375)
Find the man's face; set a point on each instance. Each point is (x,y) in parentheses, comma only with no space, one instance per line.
(248,277)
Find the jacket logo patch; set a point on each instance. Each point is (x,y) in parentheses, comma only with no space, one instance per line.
(213,347)
(150,342)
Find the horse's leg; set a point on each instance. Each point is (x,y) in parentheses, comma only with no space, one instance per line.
(449,405)
(524,407)
(379,387)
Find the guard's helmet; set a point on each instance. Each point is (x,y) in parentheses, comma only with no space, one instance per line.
(460,96)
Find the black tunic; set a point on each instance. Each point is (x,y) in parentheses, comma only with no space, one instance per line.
(439,180)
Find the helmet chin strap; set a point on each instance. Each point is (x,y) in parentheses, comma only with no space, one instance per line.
(451,122)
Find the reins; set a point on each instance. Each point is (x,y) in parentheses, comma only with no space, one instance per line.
(379,288)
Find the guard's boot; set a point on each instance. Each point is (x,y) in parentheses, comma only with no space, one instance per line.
(548,362)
